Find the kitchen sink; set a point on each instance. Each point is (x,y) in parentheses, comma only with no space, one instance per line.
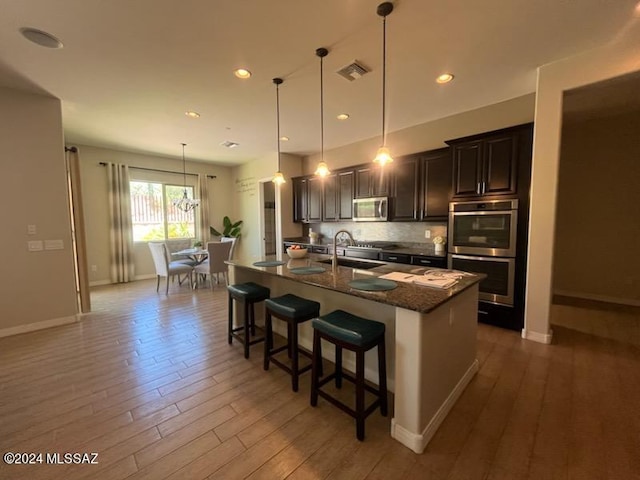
(347,262)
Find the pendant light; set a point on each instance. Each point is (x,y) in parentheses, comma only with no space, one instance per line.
(278,178)
(322,169)
(384,156)
(185,203)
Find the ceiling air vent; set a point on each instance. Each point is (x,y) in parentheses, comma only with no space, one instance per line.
(353,71)
(229,144)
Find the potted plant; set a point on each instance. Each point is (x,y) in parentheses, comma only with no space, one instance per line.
(230,229)
(439,243)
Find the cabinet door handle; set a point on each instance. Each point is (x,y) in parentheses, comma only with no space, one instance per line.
(425,262)
(484,187)
(479,188)
(392,258)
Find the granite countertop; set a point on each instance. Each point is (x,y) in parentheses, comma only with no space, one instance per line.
(425,249)
(407,295)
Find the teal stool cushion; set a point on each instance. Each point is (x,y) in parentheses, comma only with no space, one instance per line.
(251,292)
(349,328)
(293,307)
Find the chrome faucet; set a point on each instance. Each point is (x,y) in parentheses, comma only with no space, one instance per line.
(334,259)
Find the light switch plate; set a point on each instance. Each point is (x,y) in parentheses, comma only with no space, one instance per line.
(34,245)
(53,245)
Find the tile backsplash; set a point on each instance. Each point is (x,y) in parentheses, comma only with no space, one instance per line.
(402,233)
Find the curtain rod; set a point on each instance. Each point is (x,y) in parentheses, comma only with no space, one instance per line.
(104,164)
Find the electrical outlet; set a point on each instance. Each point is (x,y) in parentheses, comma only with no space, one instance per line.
(31,230)
(427,233)
(94,268)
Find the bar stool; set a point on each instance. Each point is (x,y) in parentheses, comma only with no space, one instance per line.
(359,335)
(293,310)
(249,294)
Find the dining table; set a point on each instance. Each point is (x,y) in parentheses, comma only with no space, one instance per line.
(198,255)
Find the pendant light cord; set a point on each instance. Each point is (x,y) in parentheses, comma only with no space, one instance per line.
(184,168)
(321,114)
(278,119)
(384,76)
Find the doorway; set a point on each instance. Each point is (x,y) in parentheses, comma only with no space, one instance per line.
(268,197)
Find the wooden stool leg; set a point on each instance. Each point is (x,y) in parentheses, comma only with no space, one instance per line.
(268,340)
(360,394)
(246,328)
(293,341)
(315,361)
(382,381)
(289,336)
(230,336)
(338,367)
(253,320)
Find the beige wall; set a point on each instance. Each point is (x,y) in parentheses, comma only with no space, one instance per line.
(246,199)
(431,135)
(598,226)
(609,61)
(36,287)
(96,206)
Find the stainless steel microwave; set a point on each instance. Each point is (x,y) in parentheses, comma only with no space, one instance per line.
(372,209)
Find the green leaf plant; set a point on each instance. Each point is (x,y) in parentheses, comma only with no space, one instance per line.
(230,229)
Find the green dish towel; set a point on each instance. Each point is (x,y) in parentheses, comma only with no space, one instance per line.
(373,284)
(268,263)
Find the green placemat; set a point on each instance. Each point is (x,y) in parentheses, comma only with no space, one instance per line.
(268,263)
(373,284)
(307,270)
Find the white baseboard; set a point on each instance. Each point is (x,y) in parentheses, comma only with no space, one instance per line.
(146,277)
(600,298)
(537,337)
(98,283)
(419,441)
(31,327)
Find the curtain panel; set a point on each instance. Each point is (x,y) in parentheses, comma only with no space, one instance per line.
(203,195)
(120,229)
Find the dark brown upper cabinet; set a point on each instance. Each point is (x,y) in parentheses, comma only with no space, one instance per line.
(486,165)
(371,181)
(405,189)
(329,199)
(345,195)
(307,199)
(435,174)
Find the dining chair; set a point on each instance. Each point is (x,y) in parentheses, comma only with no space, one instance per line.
(233,241)
(176,245)
(219,252)
(166,268)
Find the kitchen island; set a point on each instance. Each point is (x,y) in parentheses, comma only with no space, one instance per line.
(430,332)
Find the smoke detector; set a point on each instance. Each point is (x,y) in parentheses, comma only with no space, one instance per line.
(229,144)
(353,71)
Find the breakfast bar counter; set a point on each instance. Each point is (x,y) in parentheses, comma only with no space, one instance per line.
(430,332)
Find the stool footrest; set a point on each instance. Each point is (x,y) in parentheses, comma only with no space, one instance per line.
(288,369)
(345,408)
(346,376)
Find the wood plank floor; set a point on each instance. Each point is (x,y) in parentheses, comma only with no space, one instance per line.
(149,382)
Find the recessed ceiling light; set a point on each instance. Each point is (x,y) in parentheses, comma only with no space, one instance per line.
(284,139)
(229,144)
(444,78)
(343,116)
(192,114)
(242,73)
(41,38)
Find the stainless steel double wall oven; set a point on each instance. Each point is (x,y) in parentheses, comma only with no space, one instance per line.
(483,238)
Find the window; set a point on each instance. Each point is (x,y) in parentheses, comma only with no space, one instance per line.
(153,215)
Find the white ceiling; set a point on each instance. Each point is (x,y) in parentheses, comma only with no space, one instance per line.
(129,69)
